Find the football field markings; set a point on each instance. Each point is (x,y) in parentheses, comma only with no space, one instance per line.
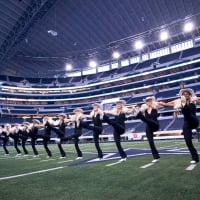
(105,157)
(47,160)
(65,161)
(191,167)
(31,173)
(34,158)
(147,165)
(115,163)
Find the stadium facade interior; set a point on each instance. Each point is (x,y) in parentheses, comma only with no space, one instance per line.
(28,90)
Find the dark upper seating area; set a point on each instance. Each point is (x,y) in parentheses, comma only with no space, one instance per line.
(171,57)
(124,71)
(191,52)
(164,85)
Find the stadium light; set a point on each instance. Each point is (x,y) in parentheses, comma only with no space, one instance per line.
(188,27)
(92,64)
(139,45)
(164,35)
(68,67)
(116,55)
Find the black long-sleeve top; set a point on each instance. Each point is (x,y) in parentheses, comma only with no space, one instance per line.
(61,126)
(188,110)
(120,119)
(97,120)
(34,131)
(153,115)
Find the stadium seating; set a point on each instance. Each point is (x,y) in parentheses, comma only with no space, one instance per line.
(42,96)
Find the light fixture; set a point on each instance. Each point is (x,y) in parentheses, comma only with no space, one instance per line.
(92,64)
(164,35)
(116,55)
(68,67)
(52,32)
(139,44)
(188,27)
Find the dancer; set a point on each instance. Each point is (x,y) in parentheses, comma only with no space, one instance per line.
(97,128)
(47,134)
(14,134)
(118,124)
(23,132)
(60,131)
(149,115)
(187,104)
(34,127)
(4,136)
(76,120)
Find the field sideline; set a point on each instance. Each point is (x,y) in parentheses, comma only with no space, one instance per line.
(62,179)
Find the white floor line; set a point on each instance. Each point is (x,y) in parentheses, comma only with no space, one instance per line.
(20,158)
(191,167)
(115,163)
(31,173)
(108,155)
(104,157)
(34,158)
(148,165)
(173,145)
(65,161)
(47,160)
(179,149)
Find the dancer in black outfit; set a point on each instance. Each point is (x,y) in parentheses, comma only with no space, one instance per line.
(46,136)
(187,104)
(148,114)
(23,133)
(34,127)
(76,120)
(14,134)
(97,127)
(60,131)
(5,138)
(118,124)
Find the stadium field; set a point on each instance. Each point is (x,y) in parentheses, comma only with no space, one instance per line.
(173,178)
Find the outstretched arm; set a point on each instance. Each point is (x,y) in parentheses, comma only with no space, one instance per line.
(108,112)
(168,104)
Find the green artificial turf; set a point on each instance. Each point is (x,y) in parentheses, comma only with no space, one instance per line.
(166,180)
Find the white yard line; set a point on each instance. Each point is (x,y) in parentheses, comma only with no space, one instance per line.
(47,160)
(115,163)
(37,158)
(31,173)
(173,145)
(179,149)
(65,161)
(147,165)
(191,167)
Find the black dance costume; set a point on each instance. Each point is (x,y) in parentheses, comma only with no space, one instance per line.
(23,135)
(34,135)
(15,137)
(5,138)
(152,125)
(190,122)
(97,130)
(46,138)
(60,131)
(118,123)
(75,137)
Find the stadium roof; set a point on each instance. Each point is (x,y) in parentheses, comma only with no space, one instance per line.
(38,37)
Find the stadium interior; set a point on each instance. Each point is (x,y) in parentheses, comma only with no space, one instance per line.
(60,55)
(35,83)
